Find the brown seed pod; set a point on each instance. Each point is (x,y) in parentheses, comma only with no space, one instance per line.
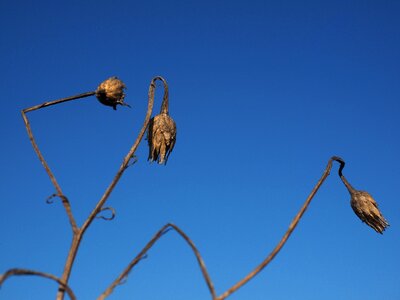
(111,92)
(367,210)
(161,137)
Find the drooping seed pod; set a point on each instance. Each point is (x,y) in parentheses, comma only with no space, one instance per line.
(161,137)
(111,92)
(367,210)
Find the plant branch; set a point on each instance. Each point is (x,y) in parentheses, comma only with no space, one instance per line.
(200,261)
(58,101)
(127,159)
(165,103)
(19,272)
(65,200)
(285,237)
(124,275)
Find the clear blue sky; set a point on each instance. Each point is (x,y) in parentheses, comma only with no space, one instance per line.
(263,93)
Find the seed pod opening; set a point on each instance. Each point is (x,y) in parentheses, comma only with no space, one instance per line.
(161,137)
(111,92)
(367,210)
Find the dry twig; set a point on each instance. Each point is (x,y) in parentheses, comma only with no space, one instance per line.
(124,275)
(19,272)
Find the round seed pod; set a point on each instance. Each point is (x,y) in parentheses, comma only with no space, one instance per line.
(111,92)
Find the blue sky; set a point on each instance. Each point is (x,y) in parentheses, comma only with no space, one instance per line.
(263,94)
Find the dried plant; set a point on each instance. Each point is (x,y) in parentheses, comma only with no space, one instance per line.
(365,207)
(161,140)
(161,135)
(111,92)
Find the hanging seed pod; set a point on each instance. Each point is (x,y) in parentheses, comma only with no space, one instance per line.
(161,137)
(111,92)
(365,207)
(367,210)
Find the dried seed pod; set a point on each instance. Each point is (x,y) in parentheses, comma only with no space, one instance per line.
(365,207)
(367,210)
(111,92)
(161,137)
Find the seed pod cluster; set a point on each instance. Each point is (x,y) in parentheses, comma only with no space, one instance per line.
(111,92)
(161,137)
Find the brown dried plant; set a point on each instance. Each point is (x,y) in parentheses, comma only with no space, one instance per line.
(161,140)
(161,135)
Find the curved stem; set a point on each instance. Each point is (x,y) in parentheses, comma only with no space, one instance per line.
(65,201)
(133,263)
(200,261)
(285,237)
(128,157)
(125,163)
(19,272)
(143,253)
(165,102)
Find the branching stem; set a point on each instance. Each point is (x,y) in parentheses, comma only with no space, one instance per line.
(78,237)
(78,232)
(65,200)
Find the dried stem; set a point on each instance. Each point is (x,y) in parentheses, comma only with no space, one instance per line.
(124,275)
(19,272)
(200,261)
(344,180)
(76,97)
(79,232)
(285,237)
(78,237)
(164,105)
(65,201)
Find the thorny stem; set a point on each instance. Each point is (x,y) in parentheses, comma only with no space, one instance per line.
(124,275)
(285,237)
(77,238)
(19,272)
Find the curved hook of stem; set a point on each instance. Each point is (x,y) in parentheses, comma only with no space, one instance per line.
(344,180)
(112,210)
(19,272)
(49,200)
(285,237)
(142,254)
(165,102)
(342,164)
